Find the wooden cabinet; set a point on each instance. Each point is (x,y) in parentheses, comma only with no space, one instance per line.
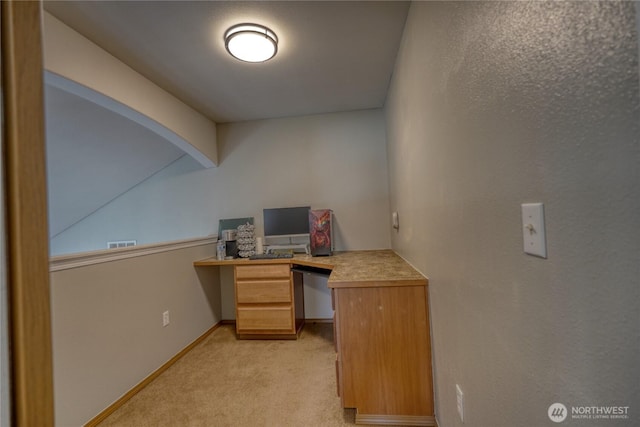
(381,327)
(383,361)
(267,301)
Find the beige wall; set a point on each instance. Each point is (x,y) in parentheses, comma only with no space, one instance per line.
(107,324)
(494,104)
(336,161)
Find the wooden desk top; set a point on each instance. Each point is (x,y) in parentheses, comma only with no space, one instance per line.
(348,269)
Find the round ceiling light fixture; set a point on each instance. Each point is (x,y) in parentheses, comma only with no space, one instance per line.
(251,42)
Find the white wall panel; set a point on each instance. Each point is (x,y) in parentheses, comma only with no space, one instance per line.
(335,161)
(107,324)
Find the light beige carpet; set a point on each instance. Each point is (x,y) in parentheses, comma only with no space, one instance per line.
(229,382)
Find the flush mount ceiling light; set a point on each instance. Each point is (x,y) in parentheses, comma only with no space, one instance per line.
(251,42)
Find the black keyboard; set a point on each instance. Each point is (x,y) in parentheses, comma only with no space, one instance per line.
(271,256)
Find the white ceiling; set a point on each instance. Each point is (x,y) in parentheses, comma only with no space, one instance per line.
(332,56)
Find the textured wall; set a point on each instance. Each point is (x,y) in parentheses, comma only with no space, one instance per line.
(492,105)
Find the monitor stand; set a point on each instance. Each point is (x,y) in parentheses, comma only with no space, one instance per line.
(289,246)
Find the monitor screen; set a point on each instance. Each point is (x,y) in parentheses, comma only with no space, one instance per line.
(286,221)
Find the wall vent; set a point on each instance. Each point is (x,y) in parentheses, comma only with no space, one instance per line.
(121,244)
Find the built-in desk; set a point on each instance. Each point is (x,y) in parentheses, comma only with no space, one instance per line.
(348,269)
(381,325)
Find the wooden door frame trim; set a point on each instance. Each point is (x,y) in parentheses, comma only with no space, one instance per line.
(26,219)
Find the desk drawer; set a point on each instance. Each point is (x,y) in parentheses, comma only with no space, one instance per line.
(264,319)
(263,271)
(263,291)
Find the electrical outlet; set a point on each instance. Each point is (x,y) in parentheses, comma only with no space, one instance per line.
(165,318)
(460,402)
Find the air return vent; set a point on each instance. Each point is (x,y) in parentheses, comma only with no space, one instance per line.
(121,244)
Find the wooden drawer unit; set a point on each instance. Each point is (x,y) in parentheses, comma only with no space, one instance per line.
(265,301)
(263,271)
(265,319)
(263,291)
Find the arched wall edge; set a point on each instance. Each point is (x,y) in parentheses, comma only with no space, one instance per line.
(75,64)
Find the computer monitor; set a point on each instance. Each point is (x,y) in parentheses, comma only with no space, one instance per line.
(286,222)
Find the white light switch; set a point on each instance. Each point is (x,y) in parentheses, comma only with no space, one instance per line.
(394,220)
(535,242)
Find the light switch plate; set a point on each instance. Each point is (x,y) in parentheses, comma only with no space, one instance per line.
(460,402)
(533,232)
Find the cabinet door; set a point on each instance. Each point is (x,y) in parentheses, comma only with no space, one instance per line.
(384,350)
